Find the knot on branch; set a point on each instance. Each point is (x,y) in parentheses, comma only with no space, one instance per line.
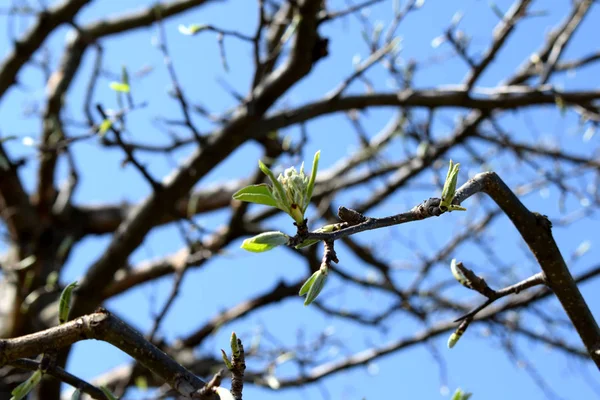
(352,217)
(429,208)
(543,221)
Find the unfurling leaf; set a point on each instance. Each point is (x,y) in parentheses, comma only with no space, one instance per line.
(265,241)
(456,335)
(21,391)
(192,29)
(259,194)
(450,189)
(460,395)
(233,343)
(64,305)
(104,127)
(313,286)
(458,273)
(282,204)
(291,191)
(309,282)
(313,177)
(119,87)
(226,360)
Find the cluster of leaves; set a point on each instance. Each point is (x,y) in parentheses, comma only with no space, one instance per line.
(291,193)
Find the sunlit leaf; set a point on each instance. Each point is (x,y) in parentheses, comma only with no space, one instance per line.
(309,282)
(276,184)
(313,286)
(192,29)
(460,395)
(226,360)
(233,343)
(119,87)
(259,194)
(265,241)
(313,177)
(104,127)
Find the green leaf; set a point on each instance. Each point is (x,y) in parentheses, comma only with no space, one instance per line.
(104,127)
(265,241)
(64,305)
(278,187)
(452,340)
(226,360)
(192,29)
(460,395)
(311,181)
(457,273)
(119,87)
(21,391)
(317,285)
(450,189)
(233,343)
(259,194)
(309,282)
(108,393)
(457,334)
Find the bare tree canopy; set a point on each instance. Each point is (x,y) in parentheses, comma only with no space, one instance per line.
(443,235)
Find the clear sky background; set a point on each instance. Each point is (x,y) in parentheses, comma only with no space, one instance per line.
(478,363)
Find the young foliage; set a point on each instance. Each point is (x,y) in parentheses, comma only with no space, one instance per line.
(460,395)
(191,29)
(290,192)
(64,305)
(265,241)
(21,391)
(313,286)
(119,87)
(450,189)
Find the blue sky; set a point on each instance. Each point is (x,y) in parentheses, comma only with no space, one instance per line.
(478,363)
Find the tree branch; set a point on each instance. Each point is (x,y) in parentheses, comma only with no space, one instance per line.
(106,327)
